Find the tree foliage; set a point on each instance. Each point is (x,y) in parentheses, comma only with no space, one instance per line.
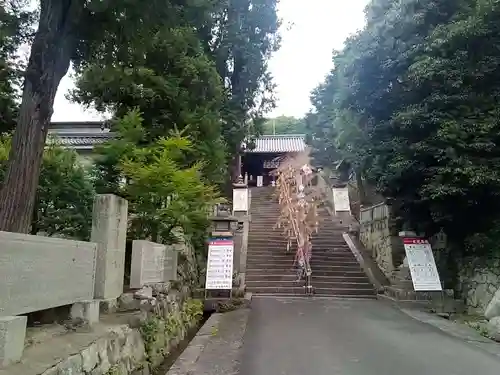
(14,30)
(163,193)
(411,100)
(201,66)
(65,193)
(284,125)
(161,69)
(243,35)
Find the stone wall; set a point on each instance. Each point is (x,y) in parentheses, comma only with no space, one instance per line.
(375,235)
(150,324)
(479,281)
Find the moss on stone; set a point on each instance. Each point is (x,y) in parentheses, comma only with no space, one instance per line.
(160,334)
(229,305)
(116,370)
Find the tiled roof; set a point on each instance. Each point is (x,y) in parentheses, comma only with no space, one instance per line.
(80,140)
(279,143)
(79,135)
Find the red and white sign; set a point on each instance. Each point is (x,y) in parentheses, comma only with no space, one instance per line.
(220,264)
(422,265)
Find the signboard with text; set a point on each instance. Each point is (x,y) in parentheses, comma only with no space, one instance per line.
(271,164)
(220,264)
(422,265)
(240,199)
(341,200)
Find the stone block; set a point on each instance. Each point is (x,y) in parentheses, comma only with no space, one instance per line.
(172,261)
(148,263)
(12,334)
(493,308)
(108,306)
(87,311)
(109,232)
(39,273)
(153,263)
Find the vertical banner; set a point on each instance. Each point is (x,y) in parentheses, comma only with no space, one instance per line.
(423,270)
(220,264)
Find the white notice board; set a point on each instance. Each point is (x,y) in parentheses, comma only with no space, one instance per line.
(422,265)
(220,264)
(341,200)
(240,200)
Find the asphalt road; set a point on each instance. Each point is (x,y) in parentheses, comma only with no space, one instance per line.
(352,337)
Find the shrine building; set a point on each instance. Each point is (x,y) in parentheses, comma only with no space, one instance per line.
(257,162)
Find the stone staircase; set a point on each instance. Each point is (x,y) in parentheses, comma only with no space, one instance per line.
(270,269)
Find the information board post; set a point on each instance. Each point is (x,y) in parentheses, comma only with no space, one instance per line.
(423,270)
(219,275)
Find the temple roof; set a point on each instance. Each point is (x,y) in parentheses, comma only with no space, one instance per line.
(80,135)
(279,143)
(85,135)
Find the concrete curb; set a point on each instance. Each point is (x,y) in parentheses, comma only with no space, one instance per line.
(192,357)
(210,304)
(454,329)
(183,364)
(377,278)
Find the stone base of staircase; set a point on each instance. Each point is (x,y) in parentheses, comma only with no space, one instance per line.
(438,302)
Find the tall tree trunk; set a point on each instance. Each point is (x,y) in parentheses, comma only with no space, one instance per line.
(48,63)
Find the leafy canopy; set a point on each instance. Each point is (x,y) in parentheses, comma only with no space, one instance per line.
(64,196)
(412,102)
(163,193)
(284,125)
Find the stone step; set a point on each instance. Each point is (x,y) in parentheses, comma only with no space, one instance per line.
(292,276)
(279,234)
(276,267)
(289,266)
(280,255)
(272,225)
(339,272)
(281,251)
(316,254)
(282,248)
(298,290)
(330,284)
(276,262)
(345,261)
(288,295)
(276,242)
(270,243)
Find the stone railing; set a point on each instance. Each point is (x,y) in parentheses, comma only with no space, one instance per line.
(375,234)
(41,273)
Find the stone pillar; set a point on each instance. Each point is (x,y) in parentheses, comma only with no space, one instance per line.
(260,181)
(241,209)
(12,335)
(109,231)
(402,276)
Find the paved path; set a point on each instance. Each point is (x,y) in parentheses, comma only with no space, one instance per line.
(349,337)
